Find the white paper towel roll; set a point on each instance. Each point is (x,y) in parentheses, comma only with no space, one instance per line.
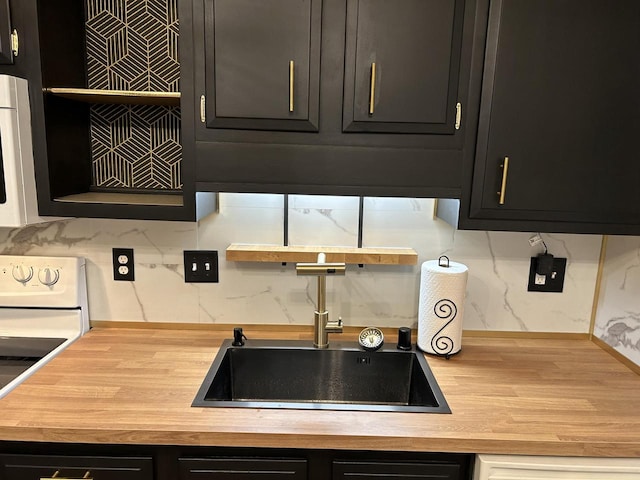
(443,285)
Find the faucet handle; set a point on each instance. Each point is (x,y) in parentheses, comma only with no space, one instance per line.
(320,269)
(334,326)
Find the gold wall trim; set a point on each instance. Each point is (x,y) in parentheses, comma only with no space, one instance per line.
(596,292)
(617,355)
(509,334)
(197,326)
(390,332)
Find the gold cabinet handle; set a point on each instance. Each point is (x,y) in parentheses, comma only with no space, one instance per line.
(291,68)
(372,88)
(15,42)
(458,115)
(503,184)
(56,475)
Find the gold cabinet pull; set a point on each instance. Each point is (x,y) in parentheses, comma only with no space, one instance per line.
(372,88)
(458,115)
(503,184)
(15,42)
(56,475)
(291,78)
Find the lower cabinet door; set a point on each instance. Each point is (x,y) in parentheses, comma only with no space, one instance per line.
(242,468)
(520,467)
(343,470)
(38,467)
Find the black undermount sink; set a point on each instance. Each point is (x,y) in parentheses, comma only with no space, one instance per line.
(294,374)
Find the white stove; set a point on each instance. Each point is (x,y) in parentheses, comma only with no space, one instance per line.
(43,309)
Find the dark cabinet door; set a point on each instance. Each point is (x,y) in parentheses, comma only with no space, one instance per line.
(561,102)
(371,470)
(242,468)
(37,467)
(246,139)
(6,55)
(401,65)
(262,64)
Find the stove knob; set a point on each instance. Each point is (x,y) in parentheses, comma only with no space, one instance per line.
(48,276)
(22,273)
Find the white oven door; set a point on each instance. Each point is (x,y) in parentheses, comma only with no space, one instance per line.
(39,323)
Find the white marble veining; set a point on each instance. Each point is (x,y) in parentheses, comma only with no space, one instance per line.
(618,313)
(158,292)
(497,298)
(323,220)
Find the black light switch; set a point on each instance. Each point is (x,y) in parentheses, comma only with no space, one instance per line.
(201,266)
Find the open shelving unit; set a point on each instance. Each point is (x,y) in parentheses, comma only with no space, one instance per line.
(111,138)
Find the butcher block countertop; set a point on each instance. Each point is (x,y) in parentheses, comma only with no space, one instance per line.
(563,397)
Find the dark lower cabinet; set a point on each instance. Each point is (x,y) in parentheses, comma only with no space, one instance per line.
(558,130)
(39,467)
(376,470)
(242,468)
(37,461)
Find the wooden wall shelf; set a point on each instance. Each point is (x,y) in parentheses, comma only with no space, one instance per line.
(125,97)
(351,255)
(159,199)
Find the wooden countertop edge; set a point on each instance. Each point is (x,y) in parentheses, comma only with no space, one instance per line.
(322,442)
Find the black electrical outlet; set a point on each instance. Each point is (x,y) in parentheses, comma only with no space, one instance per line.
(201,266)
(123,264)
(547,282)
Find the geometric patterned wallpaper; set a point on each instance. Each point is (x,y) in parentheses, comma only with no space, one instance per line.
(133,45)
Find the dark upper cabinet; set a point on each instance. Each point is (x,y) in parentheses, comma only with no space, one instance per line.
(560,102)
(254,128)
(99,152)
(263,64)
(6,55)
(401,65)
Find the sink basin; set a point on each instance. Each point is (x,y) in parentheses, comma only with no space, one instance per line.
(294,374)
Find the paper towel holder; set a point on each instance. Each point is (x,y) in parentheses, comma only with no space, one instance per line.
(441,263)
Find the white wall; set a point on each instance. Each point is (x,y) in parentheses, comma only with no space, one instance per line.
(497,297)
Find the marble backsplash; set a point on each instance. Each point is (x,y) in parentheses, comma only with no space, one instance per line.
(497,297)
(618,313)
